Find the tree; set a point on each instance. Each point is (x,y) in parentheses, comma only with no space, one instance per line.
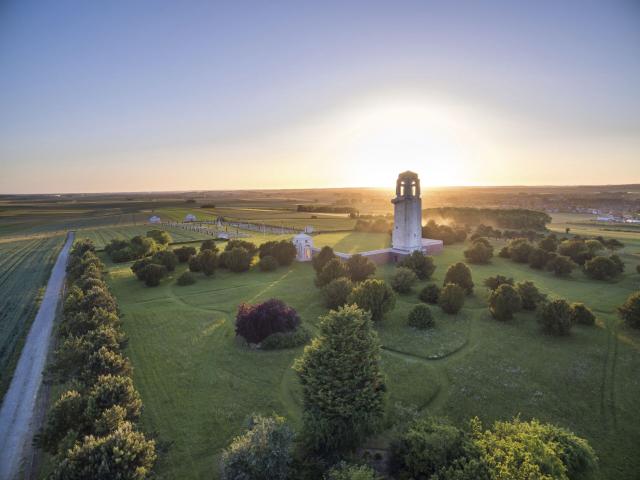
(504,302)
(111,390)
(208,261)
(187,278)
(123,454)
(251,248)
(555,317)
(373,296)
(560,265)
(529,294)
(617,261)
(421,264)
(424,448)
(504,252)
(345,471)
(549,243)
(153,273)
(451,298)
(67,414)
(209,244)
(518,450)
(576,249)
(538,258)
(492,283)
(420,317)
(360,268)
(342,384)
(629,311)
(81,246)
(268,263)
(166,258)
(105,361)
(334,268)
(403,279)
(263,452)
(194,264)
(183,253)
(601,268)
(580,314)
(460,274)
(238,259)
(254,323)
(283,251)
(337,292)
(322,258)
(480,251)
(430,294)
(519,250)
(159,236)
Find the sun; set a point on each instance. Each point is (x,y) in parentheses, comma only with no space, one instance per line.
(384,137)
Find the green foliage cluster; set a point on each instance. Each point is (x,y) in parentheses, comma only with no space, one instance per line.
(431,449)
(184,253)
(268,263)
(603,268)
(460,274)
(516,218)
(529,294)
(430,294)
(492,283)
(504,301)
(280,340)
(449,235)
(263,452)
(332,270)
(337,292)
(451,298)
(360,268)
(90,429)
(480,251)
(236,259)
(630,310)
(581,315)
(403,280)
(373,296)
(420,317)
(138,247)
(422,265)
(187,278)
(152,270)
(283,251)
(555,317)
(346,471)
(343,386)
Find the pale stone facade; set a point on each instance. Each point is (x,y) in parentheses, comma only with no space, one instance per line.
(407,214)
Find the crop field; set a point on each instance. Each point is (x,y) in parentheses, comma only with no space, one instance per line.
(24,272)
(102,236)
(278,217)
(199,385)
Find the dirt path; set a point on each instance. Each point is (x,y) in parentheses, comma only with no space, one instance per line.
(18,409)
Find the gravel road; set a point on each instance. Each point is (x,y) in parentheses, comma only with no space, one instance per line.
(17,412)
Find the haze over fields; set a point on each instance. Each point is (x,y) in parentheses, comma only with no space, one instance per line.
(203,95)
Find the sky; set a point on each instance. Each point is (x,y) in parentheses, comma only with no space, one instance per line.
(153,95)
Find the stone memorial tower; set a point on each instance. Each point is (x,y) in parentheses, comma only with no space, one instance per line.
(407,225)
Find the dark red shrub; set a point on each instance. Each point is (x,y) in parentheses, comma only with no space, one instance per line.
(256,322)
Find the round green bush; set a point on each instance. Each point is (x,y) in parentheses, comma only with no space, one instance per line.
(504,301)
(581,315)
(460,274)
(336,292)
(187,278)
(403,280)
(451,298)
(430,294)
(268,263)
(630,310)
(374,296)
(555,317)
(420,317)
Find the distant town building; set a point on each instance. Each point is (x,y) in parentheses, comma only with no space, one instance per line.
(190,217)
(154,219)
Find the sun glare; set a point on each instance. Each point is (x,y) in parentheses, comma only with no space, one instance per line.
(384,137)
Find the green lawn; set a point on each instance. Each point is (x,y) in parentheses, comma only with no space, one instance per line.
(199,385)
(24,270)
